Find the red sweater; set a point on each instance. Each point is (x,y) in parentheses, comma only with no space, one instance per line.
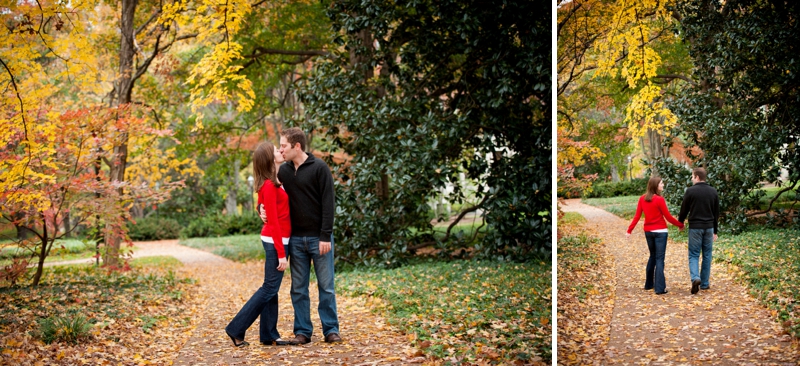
(276,205)
(654,213)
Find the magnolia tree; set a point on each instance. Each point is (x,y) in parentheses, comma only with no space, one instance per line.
(418,93)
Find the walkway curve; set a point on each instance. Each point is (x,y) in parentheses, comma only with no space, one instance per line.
(721,326)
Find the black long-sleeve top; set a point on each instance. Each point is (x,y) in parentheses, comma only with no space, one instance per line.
(701,205)
(311,197)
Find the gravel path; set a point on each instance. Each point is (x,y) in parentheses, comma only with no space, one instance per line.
(721,326)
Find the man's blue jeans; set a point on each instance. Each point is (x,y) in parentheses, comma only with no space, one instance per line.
(264,301)
(701,240)
(305,250)
(654,278)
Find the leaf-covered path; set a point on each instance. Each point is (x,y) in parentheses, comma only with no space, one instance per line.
(367,338)
(720,326)
(226,285)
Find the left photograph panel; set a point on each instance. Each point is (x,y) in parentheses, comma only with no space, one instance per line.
(256,182)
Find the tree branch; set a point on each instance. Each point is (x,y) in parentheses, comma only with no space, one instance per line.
(771,202)
(671,77)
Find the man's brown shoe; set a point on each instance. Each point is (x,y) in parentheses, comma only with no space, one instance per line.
(333,338)
(300,339)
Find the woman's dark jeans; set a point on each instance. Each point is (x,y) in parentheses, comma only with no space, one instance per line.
(264,301)
(657,243)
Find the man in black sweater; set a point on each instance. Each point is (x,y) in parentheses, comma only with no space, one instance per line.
(701,205)
(309,184)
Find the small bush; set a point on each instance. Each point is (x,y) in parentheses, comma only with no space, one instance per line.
(222,225)
(155,228)
(64,329)
(634,187)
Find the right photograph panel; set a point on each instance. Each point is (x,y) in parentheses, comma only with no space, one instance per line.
(677,160)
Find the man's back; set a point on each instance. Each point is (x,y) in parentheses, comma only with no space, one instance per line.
(701,205)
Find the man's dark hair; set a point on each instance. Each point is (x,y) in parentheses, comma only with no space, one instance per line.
(295,135)
(700,173)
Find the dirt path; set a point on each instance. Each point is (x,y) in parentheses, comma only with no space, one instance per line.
(720,326)
(226,285)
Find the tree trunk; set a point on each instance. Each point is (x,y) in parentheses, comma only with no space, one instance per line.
(124,89)
(614,173)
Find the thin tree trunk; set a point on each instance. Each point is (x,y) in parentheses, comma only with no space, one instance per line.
(230,201)
(42,253)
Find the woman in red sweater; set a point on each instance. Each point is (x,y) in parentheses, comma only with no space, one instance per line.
(655,232)
(275,238)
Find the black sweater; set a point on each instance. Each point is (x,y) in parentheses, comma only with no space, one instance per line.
(701,205)
(311,199)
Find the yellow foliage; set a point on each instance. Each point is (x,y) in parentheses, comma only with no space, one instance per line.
(215,78)
(626,50)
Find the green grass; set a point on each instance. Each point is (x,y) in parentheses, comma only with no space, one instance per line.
(237,247)
(165,262)
(571,218)
(769,261)
(623,206)
(466,227)
(784,201)
(466,309)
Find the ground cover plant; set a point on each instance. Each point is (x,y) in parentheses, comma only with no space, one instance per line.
(465,311)
(585,292)
(81,314)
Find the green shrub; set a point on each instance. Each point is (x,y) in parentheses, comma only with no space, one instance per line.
(634,187)
(223,225)
(154,228)
(67,328)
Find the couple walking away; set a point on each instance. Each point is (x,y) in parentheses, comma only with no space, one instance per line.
(296,202)
(701,206)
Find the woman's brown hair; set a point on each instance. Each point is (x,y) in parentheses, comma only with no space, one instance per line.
(652,188)
(264,165)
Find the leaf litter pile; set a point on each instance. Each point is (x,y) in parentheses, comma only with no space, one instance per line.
(586,283)
(141,316)
(466,312)
(721,326)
